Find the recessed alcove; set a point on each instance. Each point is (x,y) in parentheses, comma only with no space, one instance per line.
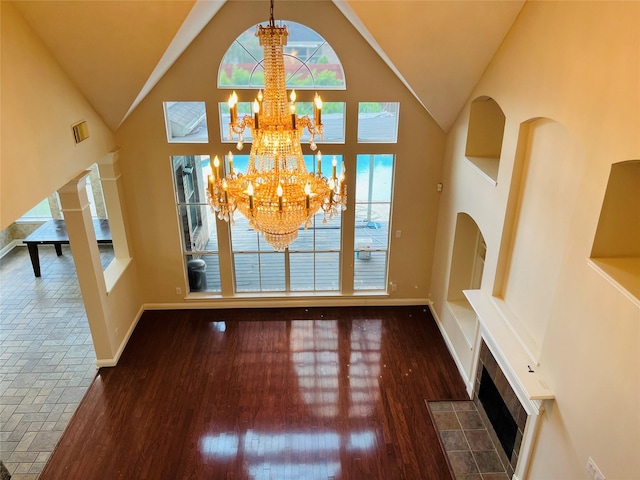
(467,265)
(484,136)
(616,246)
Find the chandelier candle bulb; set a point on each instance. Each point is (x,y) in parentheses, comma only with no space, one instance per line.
(307,192)
(334,164)
(279,192)
(233,106)
(319,156)
(260,97)
(292,109)
(317,105)
(224,189)
(250,193)
(256,111)
(216,164)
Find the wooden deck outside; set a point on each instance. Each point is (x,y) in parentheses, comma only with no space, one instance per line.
(261,269)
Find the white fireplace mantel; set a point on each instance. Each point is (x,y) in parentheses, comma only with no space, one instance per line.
(513,357)
(518,365)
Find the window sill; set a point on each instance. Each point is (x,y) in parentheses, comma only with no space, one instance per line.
(114,272)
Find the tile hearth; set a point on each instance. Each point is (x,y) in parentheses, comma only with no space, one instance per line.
(464,437)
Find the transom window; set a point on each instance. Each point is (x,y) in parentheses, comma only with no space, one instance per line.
(309,61)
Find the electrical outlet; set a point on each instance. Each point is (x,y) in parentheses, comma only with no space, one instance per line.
(594,471)
(394,287)
(178,291)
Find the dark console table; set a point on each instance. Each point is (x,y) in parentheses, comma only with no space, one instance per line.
(54,232)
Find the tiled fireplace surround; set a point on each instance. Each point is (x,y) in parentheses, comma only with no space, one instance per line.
(488,363)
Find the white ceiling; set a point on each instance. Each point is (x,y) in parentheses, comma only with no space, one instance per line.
(115,50)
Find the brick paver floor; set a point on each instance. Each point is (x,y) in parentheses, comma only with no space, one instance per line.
(47,359)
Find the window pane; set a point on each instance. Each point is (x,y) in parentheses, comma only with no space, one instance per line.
(327,164)
(372,213)
(262,272)
(305,241)
(374,178)
(328,236)
(318,236)
(247,269)
(243,237)
(203,272)
(332,120)
(272,272)
(186,122)
(197,222)
(319,271)
(244,108)
(40,210)
(198,228)
(372,228)
(302,271)
(378,122)
(370,270)
(327,267)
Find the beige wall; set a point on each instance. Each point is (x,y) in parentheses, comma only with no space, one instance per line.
(39,105)
(145,153)
(576,65)
(39,155)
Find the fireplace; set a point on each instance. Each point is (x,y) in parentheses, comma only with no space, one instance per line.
(503,423)
(500,408)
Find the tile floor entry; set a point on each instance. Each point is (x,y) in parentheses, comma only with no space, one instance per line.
(464,437)
(47,359)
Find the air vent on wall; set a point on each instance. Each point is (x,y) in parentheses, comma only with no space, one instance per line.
(80,131)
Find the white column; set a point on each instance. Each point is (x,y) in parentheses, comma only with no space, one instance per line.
(86,257)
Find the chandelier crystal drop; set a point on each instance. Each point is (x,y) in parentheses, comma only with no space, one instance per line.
(276,193)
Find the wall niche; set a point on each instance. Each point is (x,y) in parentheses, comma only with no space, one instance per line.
(616,246)
(467,266)
(484,136)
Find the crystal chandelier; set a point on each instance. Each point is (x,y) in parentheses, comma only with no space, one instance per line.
(276,193)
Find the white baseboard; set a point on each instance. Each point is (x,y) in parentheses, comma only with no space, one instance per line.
(452,350)
(112,362)
(11,246)
(285,302)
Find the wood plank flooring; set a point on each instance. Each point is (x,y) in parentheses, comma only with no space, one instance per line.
(318,393)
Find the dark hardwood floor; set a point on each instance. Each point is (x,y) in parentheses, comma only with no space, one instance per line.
(318,393)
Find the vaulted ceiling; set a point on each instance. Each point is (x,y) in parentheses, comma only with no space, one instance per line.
(116,50)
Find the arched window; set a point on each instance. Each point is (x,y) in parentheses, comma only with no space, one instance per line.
(310,62)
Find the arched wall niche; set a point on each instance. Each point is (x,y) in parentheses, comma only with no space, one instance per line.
(484,136)
(542,201)
(467,267)
(616,246)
